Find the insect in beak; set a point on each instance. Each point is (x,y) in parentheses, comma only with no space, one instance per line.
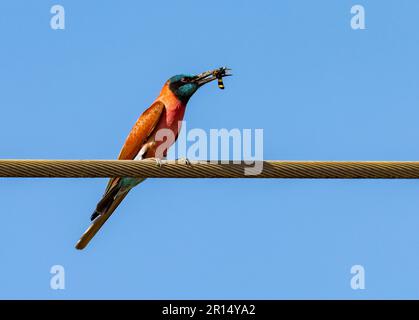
(219,74)
(209,76)
(220,83)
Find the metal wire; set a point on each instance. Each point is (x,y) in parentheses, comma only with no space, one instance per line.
(207,169)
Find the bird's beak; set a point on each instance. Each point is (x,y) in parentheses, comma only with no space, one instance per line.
(211,75)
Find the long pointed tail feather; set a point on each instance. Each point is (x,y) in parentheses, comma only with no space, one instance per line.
(99,221)
(105,202)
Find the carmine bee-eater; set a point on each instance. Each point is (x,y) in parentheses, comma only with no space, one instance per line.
(165,113)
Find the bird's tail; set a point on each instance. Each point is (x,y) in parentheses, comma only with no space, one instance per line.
(105,202)
(104,210)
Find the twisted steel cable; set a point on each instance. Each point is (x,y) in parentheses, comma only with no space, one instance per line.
(208,169)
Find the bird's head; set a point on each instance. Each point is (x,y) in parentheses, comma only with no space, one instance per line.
(184,85)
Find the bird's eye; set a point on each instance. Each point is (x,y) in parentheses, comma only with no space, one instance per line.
(184,80)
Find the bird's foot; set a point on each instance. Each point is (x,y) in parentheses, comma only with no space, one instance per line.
(159,162)
(185,160)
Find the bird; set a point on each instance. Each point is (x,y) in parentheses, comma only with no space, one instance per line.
(165,113)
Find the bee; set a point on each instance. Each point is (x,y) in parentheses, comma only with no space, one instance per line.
(219,74)
(220,83)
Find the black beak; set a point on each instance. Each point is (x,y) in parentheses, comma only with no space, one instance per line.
(211,75)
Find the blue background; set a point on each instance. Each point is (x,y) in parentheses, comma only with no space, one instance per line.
(320,91)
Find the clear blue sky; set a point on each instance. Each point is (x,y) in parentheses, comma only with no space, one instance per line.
(320,91)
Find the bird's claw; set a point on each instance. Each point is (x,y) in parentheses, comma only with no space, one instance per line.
(159,162)
(185,161)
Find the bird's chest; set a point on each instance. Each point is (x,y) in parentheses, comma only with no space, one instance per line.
(172,118)
(166,131)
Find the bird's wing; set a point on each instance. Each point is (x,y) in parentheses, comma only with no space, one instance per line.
(139,134)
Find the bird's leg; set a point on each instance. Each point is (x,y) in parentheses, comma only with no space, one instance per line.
(159,162)
(143,151)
